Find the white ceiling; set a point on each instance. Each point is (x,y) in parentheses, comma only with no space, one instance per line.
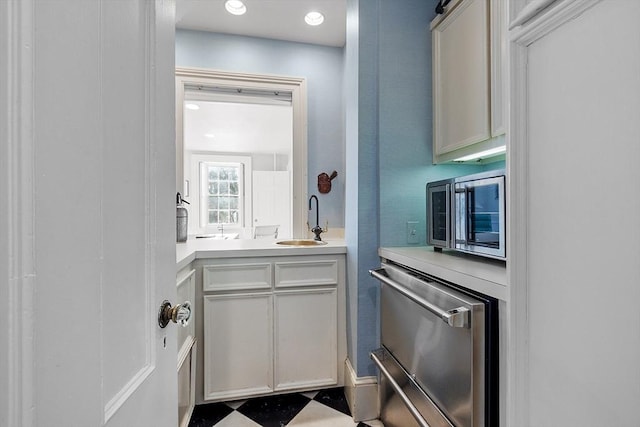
(273,19)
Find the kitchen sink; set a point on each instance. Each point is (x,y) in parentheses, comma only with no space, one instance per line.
(301,242)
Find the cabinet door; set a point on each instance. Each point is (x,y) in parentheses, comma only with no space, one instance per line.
(498,19)
(461,77)
(237,345)
(186,290)
(306,338)
(186,386)
(187,349)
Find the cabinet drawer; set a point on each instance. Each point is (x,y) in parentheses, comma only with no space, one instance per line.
(306,273)
(236,277)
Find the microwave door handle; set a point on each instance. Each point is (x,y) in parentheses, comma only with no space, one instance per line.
(450,236)
(467,216)
(462,223)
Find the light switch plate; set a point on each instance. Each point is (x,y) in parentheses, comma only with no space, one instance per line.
(412,232)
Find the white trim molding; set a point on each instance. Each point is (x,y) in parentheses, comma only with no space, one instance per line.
(16,215)
(520,38)
(361,394)
(548,20)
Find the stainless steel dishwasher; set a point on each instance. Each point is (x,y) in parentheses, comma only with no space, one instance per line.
(439,357)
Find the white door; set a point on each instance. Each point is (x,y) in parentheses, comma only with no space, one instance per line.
(90,240)
(271,201)
(575,208)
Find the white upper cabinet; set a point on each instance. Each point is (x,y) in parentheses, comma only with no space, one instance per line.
(498,71)
(467,77)
(461,77)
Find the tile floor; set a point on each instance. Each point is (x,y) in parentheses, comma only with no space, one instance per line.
(325,408)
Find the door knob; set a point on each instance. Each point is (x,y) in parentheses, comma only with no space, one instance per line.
(180,314)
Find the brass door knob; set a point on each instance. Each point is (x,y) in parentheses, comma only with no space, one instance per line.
(180,314)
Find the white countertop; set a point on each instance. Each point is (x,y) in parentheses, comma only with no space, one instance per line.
(480,274)
(212,248)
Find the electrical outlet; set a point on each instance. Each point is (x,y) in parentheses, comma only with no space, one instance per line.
(412,232)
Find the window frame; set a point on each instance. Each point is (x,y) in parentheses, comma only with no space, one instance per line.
(204,194)
(196,225)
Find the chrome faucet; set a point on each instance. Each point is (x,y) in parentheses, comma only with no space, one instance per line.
(317,230)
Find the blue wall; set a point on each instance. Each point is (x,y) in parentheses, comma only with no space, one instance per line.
(321,66)
(389,155)
(362,216)
(405,117)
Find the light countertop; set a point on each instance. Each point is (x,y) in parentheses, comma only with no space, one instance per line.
(211,248)
(480,274)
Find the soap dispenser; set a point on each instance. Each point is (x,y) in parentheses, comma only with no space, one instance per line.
(181,219)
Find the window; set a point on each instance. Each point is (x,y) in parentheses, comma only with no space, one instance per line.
(223,189)
(221,194)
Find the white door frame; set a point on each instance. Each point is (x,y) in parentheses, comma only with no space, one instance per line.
(17,270)
(520,38)
(298,88)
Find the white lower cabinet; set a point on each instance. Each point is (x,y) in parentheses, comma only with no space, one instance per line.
(187,348)
(186,386)
(237,345)
(305,338)
(287,333)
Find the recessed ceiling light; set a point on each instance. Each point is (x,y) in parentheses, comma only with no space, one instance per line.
(314,18)
(235,7)
(192,106)
(209,135)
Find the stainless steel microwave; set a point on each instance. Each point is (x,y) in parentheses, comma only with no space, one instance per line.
(467,214)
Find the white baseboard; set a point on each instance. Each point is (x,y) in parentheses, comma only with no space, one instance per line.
(361,394)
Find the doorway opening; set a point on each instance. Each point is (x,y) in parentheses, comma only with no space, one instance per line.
(241,151)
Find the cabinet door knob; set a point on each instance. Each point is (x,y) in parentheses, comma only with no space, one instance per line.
(180,314)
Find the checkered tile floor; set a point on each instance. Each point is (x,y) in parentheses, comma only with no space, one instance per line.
(325,408)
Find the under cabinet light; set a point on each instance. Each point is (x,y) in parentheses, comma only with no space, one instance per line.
(486,153)
(192,106)
(235,7)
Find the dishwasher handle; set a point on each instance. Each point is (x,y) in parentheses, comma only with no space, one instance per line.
(456,317)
